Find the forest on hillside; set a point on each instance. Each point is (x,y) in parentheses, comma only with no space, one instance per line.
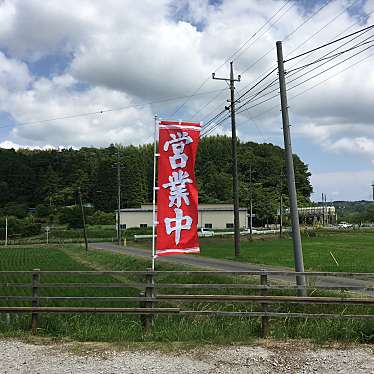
(50,178)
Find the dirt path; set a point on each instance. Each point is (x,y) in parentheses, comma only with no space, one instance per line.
(77,358)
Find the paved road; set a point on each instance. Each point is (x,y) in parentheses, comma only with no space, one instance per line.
(216,264)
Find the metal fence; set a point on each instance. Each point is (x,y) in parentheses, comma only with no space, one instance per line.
(148,285)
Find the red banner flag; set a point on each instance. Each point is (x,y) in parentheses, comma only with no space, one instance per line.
(177,198)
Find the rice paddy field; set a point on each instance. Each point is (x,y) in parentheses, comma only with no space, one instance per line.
(128,328)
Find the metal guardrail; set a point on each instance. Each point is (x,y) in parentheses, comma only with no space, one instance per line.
(150,295)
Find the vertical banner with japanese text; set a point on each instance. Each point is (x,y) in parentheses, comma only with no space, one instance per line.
(177,197)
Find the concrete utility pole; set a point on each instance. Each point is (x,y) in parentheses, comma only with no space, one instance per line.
(234,155)
(372,186)
(280,206)
(250,204)
(118,199)
(297,247)
(83,219)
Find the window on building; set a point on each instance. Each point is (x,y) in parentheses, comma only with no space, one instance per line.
(143,225)
(229,225)
(123,226)
(208,226)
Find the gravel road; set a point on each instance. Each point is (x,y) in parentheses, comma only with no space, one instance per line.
(23,358)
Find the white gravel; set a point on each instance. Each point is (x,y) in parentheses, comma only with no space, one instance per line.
(22,358)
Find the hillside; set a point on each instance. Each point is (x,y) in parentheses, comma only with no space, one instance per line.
(51,177)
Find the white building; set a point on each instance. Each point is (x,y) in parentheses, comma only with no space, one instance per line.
(323,214)
(211,216)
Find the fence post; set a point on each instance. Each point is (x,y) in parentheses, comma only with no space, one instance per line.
(149,293)
(264,306)
(35,299)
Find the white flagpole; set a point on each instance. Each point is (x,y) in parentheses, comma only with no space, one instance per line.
(6,231)
(155,155)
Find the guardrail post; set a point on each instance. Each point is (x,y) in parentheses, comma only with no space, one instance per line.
(264,307)
(149,293)
(35,299)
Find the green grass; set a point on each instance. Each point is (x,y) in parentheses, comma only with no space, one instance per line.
(122,328)
(354,251)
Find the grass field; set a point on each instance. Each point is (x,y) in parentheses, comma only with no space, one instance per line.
(353,251)
(123,328)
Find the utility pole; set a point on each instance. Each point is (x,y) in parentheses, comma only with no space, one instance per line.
(297,247)
(234,155)
(326,211)
(281,216)
(323,210)
(250,204)
(118,199)
(6,231)
(280,206)
(372,186)
(83,219)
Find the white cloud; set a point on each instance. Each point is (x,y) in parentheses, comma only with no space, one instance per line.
(53,98)
(7,144)
(354,145)
(14,75)
(129,52)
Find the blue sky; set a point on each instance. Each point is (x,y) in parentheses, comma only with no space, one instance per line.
(61,59)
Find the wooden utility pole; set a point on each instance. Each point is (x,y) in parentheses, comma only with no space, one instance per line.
(83,219)
(297,247)
(234,155)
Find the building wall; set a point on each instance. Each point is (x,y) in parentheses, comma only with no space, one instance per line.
(136,218)
(218,219)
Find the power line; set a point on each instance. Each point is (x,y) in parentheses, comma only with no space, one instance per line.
(306,80)
(230,57)
(341,33)
(332,76)
(255,97)
(327,44)
(331,67)
(291,97)
(322,28)
(205,105)
(255,85)
(329,58)
(288,36)
(307,20)
(241,96)
(103,111)
(310,88)
(270,24)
